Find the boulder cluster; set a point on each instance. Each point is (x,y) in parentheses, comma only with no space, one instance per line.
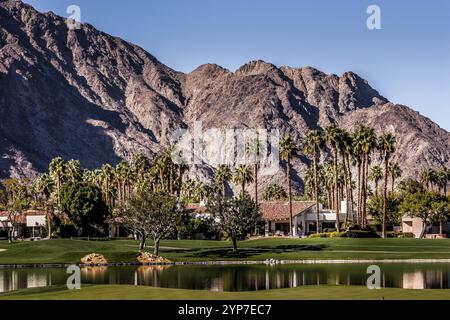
(149,258)
(94,259)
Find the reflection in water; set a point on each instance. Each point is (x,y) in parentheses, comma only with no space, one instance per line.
(235,278)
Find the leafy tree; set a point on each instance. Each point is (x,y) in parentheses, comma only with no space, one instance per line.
(85,208)
(153,215)
(17,202)
(234,216)
(428,206)
(375,209)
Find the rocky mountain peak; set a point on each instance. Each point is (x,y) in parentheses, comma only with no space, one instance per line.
(86,95)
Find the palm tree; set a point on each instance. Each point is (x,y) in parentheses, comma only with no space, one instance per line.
(253,151)
(376,174)
(274,192)
(332,136)
(386,145)
(442,177)
(313,144)
(57,170)
(346,149)
(288,150)
(73,170)
(243,175)
(395,173)
(427,178)
(44,187)
(107,177)
(223,176)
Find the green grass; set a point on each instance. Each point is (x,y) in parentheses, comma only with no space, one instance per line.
(70,251)
(118,292)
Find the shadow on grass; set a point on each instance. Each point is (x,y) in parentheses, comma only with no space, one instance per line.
(243,253)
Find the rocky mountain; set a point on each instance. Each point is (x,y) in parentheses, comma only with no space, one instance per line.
(87,95)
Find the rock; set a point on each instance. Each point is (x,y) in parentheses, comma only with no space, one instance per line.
(94,259)
(86,95)
(149,258)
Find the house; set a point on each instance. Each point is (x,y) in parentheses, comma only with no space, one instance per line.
(28,224)
(276,217)
(415,226)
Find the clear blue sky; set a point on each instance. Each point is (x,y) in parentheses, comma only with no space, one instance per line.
(408,60)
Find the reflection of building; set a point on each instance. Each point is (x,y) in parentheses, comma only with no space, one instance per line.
(28,224)
(414,280)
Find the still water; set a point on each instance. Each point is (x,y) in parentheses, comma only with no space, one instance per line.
(236,278)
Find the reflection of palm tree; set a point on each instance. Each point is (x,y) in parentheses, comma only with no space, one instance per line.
(288,150)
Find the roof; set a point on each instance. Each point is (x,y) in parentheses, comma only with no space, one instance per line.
(279,211)
(22,218)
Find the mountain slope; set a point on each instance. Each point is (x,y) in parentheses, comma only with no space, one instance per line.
(84,94)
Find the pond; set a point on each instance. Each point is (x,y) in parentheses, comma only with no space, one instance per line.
(236,277)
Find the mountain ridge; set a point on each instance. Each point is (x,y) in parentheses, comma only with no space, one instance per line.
(87,95)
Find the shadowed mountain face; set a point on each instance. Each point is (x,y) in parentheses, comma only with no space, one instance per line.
(86,95)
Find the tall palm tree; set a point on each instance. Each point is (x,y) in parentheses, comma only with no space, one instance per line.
(395,172)
(44,187)
(427,178)
(243,175)
(223,176)
(369,143)
(346,149)
(107,177)
(386,145)
(253,151)
(57,170)
(443,177)
(288,150)
(376,174)
(73,170)
(332,135)
(313,144)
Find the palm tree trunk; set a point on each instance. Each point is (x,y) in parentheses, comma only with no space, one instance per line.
(224,191)
(376,187)
(359,195)
(290,196)
(364,191)
(336,185)
(256,184)
(243,189)
(316,193)
(383,222)
(393,183)
(347,194)
(171,179)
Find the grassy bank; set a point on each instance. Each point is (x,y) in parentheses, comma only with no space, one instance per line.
(116,292)
(70,251)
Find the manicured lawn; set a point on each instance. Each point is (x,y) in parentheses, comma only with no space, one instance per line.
(116,292)
(70,251)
